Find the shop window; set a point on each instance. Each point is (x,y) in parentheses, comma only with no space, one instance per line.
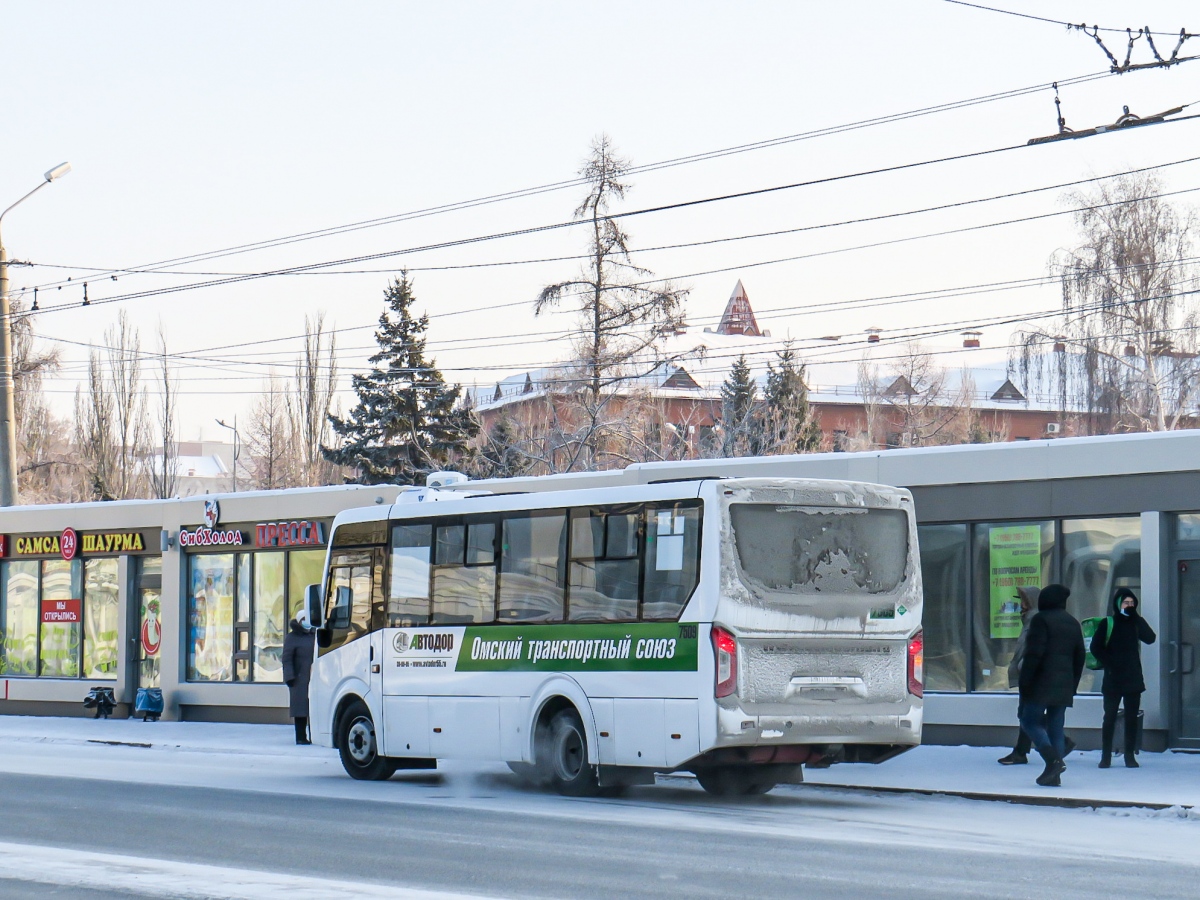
(239,609)
(1008,555)
(58,653)
(533,552)
(270,616)
(1187,527)
(19,617)
(1099,556)
(305,567)
(944,560)
(210,617)
(101,613)
(149,594)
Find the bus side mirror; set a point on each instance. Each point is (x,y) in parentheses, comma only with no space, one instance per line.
(312,602)
(339,616)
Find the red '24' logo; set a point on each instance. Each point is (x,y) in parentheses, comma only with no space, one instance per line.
(68,543)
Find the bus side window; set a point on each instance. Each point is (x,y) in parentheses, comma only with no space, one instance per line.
(353,571)
(533,553)
(604,566)
(464,574)
(672,560)
(408,592)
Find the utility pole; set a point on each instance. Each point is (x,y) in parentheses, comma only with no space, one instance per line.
(8,425)
(237,447)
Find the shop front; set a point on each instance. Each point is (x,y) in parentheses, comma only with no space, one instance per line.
(60,602)
(192,596)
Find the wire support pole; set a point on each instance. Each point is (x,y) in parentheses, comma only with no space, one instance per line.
(8,435)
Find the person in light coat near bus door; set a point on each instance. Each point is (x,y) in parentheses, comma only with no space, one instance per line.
(298,648)
(1050,673)
(1120,655)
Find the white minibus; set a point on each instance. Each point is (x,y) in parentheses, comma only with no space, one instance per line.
(738,628)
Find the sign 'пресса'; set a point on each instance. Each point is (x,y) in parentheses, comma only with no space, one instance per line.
(298,533)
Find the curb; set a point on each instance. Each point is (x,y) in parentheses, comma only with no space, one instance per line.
(1021,799)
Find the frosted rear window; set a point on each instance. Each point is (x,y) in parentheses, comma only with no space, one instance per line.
(813,549)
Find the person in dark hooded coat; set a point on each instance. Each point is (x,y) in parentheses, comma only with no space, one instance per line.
(1119,654)
(298,647)
(1028,599)
(1050,673)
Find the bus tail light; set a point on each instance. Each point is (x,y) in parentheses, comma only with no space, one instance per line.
(916,664)
(725,652)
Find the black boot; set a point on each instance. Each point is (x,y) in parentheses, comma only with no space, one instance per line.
(1131,761)
(1105,759)
(1054,768)
(1013,759)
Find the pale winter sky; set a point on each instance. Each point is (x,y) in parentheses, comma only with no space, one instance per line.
(195,128)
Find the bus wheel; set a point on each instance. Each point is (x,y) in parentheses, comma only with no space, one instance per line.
(569,769)
(358,747)
(734,781)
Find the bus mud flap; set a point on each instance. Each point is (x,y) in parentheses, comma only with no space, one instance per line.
(624,776)
(413,762)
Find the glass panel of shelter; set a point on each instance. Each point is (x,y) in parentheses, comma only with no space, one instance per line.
(1092,556)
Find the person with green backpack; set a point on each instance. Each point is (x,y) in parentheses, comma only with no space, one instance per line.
(1116,647)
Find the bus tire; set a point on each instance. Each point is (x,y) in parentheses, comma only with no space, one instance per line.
(359,749)
(568,767)
(734,781)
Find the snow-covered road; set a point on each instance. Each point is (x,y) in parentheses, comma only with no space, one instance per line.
(211,807)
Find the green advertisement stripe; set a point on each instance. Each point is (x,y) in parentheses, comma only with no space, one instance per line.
(634,647)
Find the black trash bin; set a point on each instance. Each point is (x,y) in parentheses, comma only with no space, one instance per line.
(102,700)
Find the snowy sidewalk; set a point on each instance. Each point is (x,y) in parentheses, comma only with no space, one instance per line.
(1164,779)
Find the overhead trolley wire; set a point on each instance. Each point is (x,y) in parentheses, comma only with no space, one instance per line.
(150,268)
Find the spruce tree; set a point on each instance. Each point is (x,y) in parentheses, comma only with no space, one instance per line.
(501,456)
(740,419)
(791,427)
(405,423)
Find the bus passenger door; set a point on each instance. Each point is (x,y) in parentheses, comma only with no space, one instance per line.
(352,661)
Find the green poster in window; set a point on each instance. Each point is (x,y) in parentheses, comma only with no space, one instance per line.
(1014,560)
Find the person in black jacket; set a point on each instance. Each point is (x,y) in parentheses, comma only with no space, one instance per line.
(298,646)
(1120,655)
(1050,673)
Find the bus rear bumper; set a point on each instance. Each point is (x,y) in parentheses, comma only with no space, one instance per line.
(843,729)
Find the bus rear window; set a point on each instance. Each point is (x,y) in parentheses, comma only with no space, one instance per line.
(805,549)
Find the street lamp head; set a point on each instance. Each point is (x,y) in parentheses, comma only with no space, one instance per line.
(58,171)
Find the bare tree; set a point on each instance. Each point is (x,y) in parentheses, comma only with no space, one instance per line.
(164,470)
(1123,354)
(112,420)
(271,440)
(623,313)
(310,404)
(46,471)
(923,407)
(94,433)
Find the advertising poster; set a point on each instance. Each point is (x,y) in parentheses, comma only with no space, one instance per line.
(1014,560)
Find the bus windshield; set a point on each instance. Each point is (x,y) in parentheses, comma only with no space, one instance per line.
(809,550)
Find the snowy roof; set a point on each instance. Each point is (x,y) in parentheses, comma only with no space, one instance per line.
(699,361)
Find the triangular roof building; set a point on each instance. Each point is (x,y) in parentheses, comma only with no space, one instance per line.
(738,317)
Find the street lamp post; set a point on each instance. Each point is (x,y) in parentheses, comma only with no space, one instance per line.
(8,428)
(237,447)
